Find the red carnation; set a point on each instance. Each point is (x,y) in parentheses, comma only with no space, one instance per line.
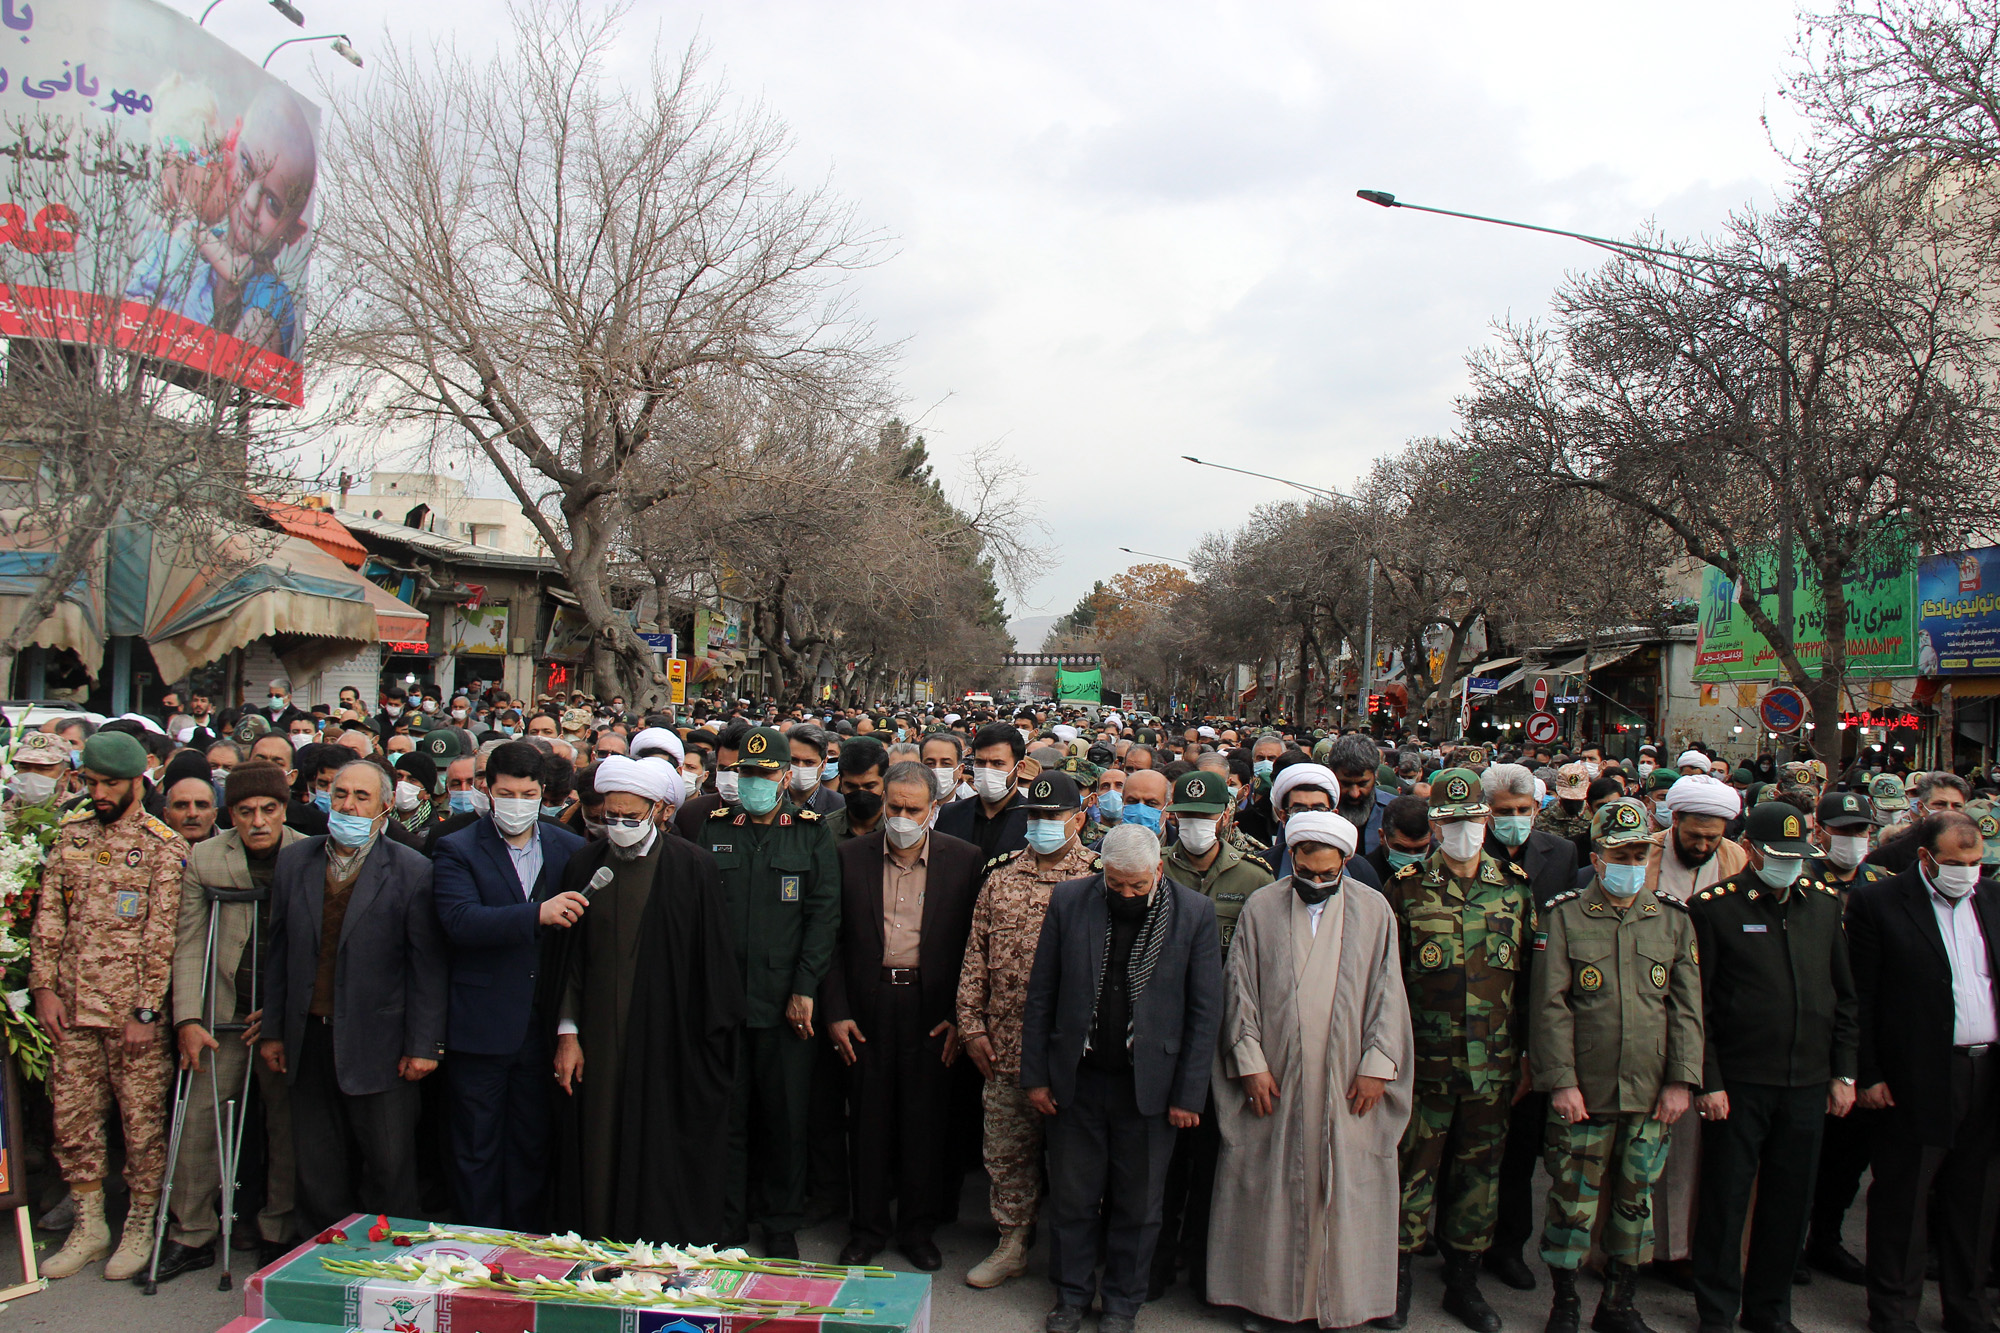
(380,1231)
(331,1236)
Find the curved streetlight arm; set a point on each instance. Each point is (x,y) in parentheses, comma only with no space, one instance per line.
(1320,491)
(1151,556)
(342,43)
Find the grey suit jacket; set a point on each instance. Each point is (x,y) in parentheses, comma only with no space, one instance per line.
(219,863)
(390,975)
(1174,1023)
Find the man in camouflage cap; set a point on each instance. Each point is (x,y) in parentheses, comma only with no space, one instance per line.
(41,768)
(1565,816)
(1467,921)
(102,957)
(1890,798)
(1800,777)
(1618,1046)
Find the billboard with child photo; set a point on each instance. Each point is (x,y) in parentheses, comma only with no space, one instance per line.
(156,192)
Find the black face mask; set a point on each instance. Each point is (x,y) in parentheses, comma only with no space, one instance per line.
(863,806)
(1312,892)
(1124,908)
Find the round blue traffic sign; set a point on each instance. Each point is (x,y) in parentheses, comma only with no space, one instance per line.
(1783,709)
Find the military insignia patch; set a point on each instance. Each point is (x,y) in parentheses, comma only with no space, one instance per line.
(1457,790)
(1589,978)
(1431,955)
(135,858)
(1042,790)
(1503,951)
(78,841)
(788,888)
(1196,788)
(129,903)
(756,744)
(1541,941)
(1660,975)
(1792,828)
(104,858)
(1625,816)
(1694,953)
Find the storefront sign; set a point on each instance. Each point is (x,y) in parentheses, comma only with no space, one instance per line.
(1958,609)
(1881,618)
(1883,721)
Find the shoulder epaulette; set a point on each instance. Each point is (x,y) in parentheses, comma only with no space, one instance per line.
(78,816)
(998,861)
(158,828)
(1565,896)
(810,816)
(720,812)
(1666,897)
(1410,869)
(1097,863)
(1825,888)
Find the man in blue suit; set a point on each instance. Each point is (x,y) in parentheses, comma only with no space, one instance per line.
(494,884)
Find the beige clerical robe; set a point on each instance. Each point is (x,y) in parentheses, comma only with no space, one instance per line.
(1306,1199)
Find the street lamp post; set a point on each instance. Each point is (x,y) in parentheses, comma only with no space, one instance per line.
(1151,556)
(1368,627)
(342,47)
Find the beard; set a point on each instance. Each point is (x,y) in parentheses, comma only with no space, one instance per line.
(114,815)
(1688,858)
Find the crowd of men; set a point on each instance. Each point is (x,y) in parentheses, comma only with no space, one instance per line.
(1273,1011)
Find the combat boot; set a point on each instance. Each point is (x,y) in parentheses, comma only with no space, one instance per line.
(1010,1259)
(1615,1311)
(1566,1310)
(135,1246)
(89,1237)
(1461,1292)
(1402,1315)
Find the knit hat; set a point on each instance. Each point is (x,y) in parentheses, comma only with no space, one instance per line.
(257,778)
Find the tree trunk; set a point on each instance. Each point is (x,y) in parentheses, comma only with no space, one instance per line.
(1826,693)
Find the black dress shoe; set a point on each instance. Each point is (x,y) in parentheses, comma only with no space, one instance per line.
(858,1252)
(1063,1319)
(1836,1260)
(1507,1267)
(923,1253)
(781,1245)
(176,1258)
(270,1251)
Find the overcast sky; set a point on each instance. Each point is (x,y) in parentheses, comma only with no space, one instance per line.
(1127,232)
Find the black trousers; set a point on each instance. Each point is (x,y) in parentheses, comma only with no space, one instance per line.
(826,1142)
(1844,1146)
(1770,1142)
(1107,1175)
(1526,1125)
(900,1091)
(1184,1210)
(1967,1188)
(767,1132)
(500,1126)
(334,1133)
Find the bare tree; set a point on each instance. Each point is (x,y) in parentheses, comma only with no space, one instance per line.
(546,268)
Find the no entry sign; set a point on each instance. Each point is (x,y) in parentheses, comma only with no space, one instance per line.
(1541,693)
(1541,725)
(1783,709)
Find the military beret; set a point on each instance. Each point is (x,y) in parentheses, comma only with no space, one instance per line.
(114,754)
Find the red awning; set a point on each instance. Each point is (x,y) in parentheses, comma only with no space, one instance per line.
(319,527)
(396,620)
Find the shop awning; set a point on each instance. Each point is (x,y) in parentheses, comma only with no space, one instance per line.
(77,623)
(396,621)
(319,527)
(1974,687)
(1488,669)
(203,605)
(1598,661)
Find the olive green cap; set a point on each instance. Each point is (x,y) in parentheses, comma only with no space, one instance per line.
(1619,822)
(1456,793)
(1662,778)
(764,747)
(1199,793)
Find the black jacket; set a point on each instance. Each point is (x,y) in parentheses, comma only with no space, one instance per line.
(1550,862)
(1902,983)
(1006,832)
(1777,992)
(951,886)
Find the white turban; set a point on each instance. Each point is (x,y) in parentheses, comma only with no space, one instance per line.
(1692,759)
(659,738)
(1700,794)
(145,722)
(652,779)
(1064,732)
(1321,826)
(950,718)
(1303,775)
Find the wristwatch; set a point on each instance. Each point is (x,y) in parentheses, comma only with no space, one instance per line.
(1837,1078)
(143,1015)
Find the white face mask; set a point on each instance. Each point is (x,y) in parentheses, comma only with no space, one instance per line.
(1198,834)
(1846,850)
(481,802)
(1463,839)
(407,796)
(906,833)
(458,714)
(627,835)
(1956,881)
(993,784)
(805,777)
(34,788)
(515,815)
(725,784)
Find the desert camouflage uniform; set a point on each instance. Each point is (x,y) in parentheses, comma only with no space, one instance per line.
(104,943)
(1617,1016)
(1465,954)
(992,997)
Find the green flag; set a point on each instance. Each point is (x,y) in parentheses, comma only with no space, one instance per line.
(1081,686)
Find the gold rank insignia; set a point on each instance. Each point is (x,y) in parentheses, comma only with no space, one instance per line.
(1589,978)
(756,744)
(1792,827)
(1431,955)
(1694,953)
(1660,975)
(104,858)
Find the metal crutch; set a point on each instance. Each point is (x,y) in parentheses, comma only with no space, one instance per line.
(183,1084)
(231,1117)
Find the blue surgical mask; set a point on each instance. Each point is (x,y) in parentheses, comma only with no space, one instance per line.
(461,803)
(756,794)
(1145,816)
(1262,768)
(349,831)
(324,800)
(1109,803)
(1047,836)
(1513,830)
(506,730)
(1622,881)
(551,811)
(1397,860)
(830,771)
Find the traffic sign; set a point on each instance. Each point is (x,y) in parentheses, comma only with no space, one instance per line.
(1783,709)
(677,678)
(1541,693)
(1541,726)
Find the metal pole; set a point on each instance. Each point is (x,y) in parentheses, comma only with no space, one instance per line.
(1367,650)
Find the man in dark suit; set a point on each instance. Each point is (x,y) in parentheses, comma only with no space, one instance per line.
(1922,947)
(906,896)
(354,1009)
(1124,1003)
(991,818)
(1404,838)
(1550,864)
(494,884)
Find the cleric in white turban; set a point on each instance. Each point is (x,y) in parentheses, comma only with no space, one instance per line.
(657,740)
(654,779)
(1692,761)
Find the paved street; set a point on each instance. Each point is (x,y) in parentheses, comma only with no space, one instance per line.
(87,1304)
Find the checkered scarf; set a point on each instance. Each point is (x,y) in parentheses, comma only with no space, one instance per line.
(1145,957)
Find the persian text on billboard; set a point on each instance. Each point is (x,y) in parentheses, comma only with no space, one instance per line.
(1958,605)
(160,196)
(1881,602)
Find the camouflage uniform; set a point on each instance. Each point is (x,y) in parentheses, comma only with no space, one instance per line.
(1573,827)
(104,943)
(992,996)
(1465,947)
(1617,1016)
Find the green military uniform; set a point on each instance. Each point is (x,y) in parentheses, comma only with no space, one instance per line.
(781,886)
(1465,956)
(1618,1017)
(1231,877)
